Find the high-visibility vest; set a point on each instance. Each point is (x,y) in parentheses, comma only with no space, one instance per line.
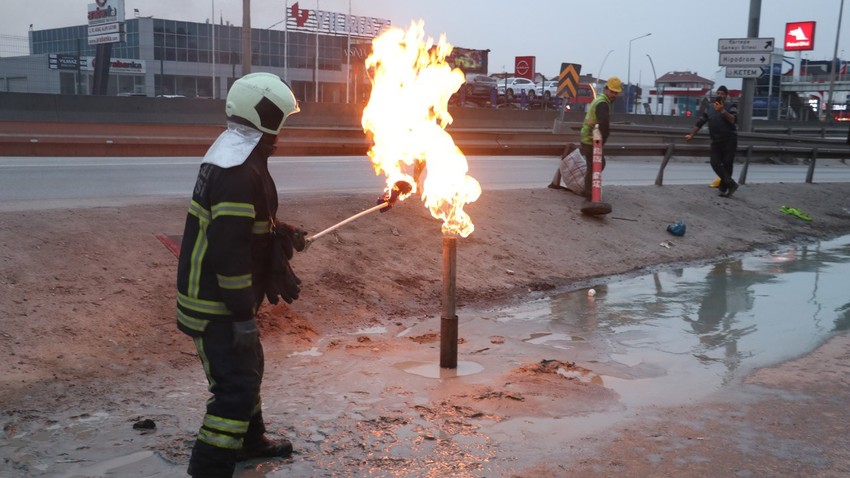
(590,118)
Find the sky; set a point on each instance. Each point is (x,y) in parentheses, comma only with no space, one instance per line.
(594,34)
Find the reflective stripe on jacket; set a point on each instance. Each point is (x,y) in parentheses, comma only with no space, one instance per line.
(223,259)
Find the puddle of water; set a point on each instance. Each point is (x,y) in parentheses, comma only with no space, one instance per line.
(105,468)
(679,334)
(433,370)
(313,352)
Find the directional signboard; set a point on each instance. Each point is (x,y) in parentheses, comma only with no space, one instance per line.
(744,72)
(741,45)
(744,59)
(568,80)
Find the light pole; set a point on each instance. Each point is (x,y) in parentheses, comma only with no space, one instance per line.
(246,37)
(834,72)
(656,81)
(629,79)
(598,75)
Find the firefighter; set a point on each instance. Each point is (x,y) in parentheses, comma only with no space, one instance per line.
(598,112)
(234,252)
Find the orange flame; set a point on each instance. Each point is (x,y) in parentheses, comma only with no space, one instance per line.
(406,117)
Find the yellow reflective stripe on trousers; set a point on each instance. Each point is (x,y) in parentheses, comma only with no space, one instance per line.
(234,282)
(226,425)
(261,227)
(219,440)
(198,325)
(207,433)
(199,346)
(241,209)
(200,305)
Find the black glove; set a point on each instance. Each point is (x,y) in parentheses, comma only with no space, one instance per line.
(291,237)
(282,281)
(245,334)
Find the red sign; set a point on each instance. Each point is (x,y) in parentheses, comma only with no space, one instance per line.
(800,36)
(524,67)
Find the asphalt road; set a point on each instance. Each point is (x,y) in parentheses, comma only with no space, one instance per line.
(34,182)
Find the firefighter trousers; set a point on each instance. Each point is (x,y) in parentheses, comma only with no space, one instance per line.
(234,412)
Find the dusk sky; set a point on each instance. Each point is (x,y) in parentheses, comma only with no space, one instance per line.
(684,35)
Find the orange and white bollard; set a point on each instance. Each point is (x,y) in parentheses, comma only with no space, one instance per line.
(595,207)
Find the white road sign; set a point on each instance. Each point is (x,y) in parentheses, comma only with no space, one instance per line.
(744,72)
(739,45)
(744,59)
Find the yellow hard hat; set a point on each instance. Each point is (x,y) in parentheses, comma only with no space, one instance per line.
(614,84)
(715,183)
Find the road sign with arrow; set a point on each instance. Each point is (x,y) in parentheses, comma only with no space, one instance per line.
(744,59)
(740,45)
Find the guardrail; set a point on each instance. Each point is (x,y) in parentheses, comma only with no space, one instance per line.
(87,139)
(821,132)
(632,140)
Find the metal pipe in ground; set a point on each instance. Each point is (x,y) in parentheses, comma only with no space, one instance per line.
(448,321)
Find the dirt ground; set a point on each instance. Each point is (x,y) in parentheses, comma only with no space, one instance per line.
(90,348)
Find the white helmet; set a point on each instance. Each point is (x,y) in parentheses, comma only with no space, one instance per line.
(262,99)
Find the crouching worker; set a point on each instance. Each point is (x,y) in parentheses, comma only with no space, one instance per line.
(233,254)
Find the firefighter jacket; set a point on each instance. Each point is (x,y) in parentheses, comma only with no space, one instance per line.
(224,257)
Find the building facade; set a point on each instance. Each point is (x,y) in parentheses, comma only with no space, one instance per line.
(679,93)
(320,58)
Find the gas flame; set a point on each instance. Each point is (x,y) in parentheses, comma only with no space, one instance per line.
(406,117)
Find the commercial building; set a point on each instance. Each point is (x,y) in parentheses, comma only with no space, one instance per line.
(319,53)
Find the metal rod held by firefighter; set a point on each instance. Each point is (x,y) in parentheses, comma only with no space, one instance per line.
(346,221)
(448,321)
(398,191)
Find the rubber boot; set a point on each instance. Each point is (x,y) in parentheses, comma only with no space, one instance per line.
(208,461)
(264,447)
(258,445)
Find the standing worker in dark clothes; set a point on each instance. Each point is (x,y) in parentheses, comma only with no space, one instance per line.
(598,113)
(721,118)
(235,253)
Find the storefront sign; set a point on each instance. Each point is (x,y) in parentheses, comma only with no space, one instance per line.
(64,62)
(800,36)
(106,11)
(117,65)
(334,23)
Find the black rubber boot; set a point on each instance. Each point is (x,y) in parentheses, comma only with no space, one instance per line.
(208,461)
(264,447)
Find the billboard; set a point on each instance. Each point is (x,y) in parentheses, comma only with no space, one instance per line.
(799,36)
(106,18)
(524,67)
(468,60)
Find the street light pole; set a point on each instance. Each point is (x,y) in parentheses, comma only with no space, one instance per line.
(246,37)
(598,75)
(834,73)
(629,79)
(656,81)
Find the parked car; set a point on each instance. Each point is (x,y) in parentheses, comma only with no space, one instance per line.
(547,89)
(512,87)
(478,85)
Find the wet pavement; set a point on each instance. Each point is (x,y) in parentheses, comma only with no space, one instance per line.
(533,381)
(691,330)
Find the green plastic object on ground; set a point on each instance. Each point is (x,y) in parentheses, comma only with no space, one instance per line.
(793,211)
